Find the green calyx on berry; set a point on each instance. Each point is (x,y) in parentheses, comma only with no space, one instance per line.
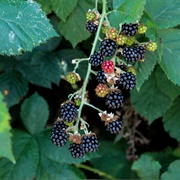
(151,46)
(111,33)
(142,29)
(101,90)
(72,77)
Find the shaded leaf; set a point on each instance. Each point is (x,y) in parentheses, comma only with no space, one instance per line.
(150,101)
(23,26)
(77,20)
(5,135)
(63,8)
(45,5)
(171,54)
(13,85)
(26,153)
(146,167)
(164,13)
(34,113)
(171,120)
(173,171)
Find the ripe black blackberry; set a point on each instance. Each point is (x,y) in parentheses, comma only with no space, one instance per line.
(89,143)
(114,100)
(129,29)
(76,150)
(59,137)
(130,54)
(91,27)
(114,127)
(108,47)
(127,80)
(96,59)
(100,77)
(141,52)
(68,112)
(59,125)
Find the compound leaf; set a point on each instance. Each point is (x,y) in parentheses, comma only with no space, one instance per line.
(23,25)
(34,113)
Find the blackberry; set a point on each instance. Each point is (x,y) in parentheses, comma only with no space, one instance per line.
(89,143)
(129,29)
(91,27)
(127,80)
(108,47)
(76,150)
(100,77)
(59,125)
(115,126)
(59,137)
(114,100)
(141,52)
(130,54)
(68,112)
(96,59)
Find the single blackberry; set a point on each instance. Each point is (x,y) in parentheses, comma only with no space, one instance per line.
(114,127)
(89,143)
(127,80)
(96,59)
(91,27)
(100,77)
(108,47)
(59,137)
(114,100)
(68,112)
(129,29)
(59,125)
(141,52)
(130,54)
(76,150)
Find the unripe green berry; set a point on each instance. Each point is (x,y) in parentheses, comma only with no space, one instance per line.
(101,90)
(131,69)
(151,46)
(77,101)
(104,29)
(72,78)
(142,29)
(90,16)
(130,40)
(121,39)
(112,33)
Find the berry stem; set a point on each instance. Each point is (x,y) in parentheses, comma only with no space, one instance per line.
(89,65)
(90,105)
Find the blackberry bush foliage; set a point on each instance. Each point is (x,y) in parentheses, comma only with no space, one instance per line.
(113,76)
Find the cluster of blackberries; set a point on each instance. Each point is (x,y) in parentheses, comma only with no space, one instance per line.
(59,135)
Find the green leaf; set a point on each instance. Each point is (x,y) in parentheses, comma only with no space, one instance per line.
(173,171)
(26,153)
(113,161)
(49,169)
(5,135)
(171,54)
(42,70)
(77,20)
(150,101)
(171,120)
(144,69)
(67,55)
(126,12)
(23,26)
(13,85)
(34,113)
(45,5)
(59,155)
(164,13)
(63,8)
(146,167)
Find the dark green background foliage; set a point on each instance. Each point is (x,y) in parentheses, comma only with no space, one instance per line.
(38,41)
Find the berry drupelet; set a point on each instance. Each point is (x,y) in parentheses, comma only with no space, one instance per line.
(76,150)
(96,59)
(129,29)
(114,127)
(91,27)
(100,77)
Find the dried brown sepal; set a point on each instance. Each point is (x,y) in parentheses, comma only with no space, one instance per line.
(89,134)
(67,101)
(75,138)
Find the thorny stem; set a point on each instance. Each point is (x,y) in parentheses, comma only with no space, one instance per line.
(89,65)
(100,173)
